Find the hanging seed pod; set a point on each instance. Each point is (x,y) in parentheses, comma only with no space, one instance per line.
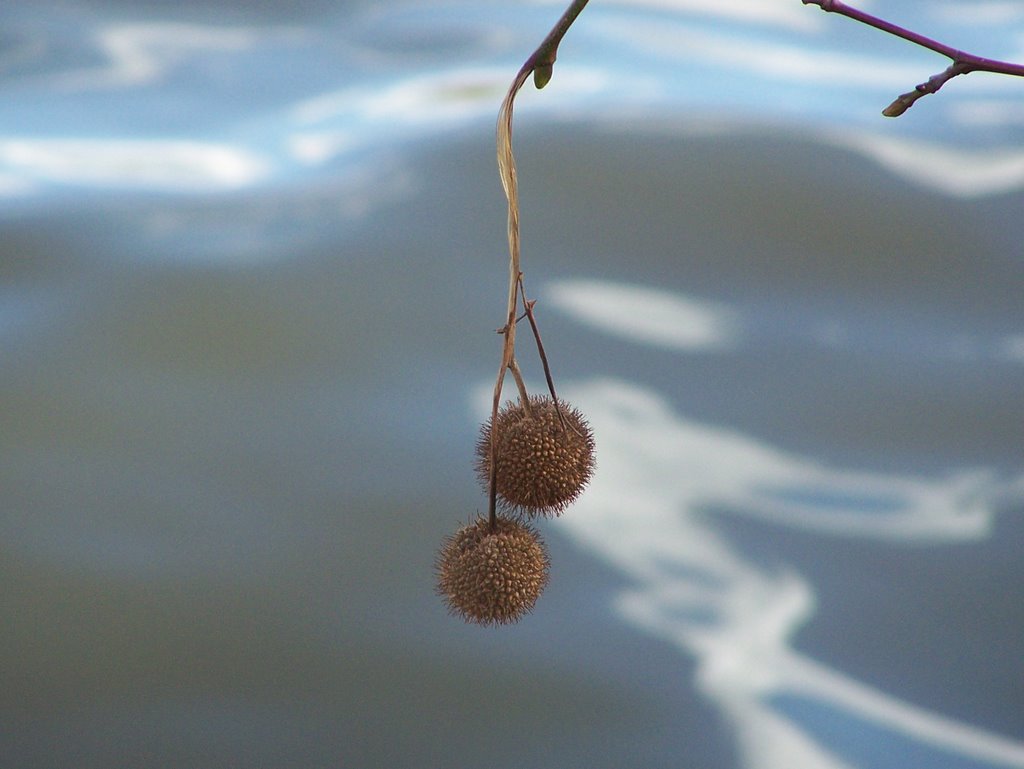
(492,577)
(542,465)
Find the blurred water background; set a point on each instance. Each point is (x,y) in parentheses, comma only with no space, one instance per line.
(252,258)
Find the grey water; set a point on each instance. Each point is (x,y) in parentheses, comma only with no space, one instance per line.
(252,260)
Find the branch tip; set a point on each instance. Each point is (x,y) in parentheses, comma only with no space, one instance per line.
(898,107)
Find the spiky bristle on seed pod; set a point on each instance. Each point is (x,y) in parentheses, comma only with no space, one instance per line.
(492,577)
(542,466)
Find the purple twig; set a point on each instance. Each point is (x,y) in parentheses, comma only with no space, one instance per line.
(963,62)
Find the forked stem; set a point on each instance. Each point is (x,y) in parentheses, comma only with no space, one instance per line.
(524,396)
(528,304)
(541,63)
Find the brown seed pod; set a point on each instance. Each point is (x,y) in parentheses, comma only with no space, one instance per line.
(492,578)
(543,466)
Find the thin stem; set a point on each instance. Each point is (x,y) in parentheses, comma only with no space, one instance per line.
(540,63)
(540,351)
(524,396)
(962,62)
(492,484)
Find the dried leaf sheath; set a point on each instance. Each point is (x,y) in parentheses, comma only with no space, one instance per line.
(507,172)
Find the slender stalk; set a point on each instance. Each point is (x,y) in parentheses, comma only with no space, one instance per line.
(540,351)
(541,63)
(524,396)
(962,62)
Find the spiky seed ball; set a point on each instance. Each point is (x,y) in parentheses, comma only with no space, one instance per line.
(492,578)
(542,466)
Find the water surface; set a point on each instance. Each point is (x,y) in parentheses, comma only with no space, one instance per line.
(252,263)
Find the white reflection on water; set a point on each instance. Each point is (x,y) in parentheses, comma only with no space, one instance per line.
(646,315)
(1012,348)
(288,98)
(433,100)
(654,512)
(171,166)
(978,13)
(988,113)
(776,13)
(678,41)
(140,53)
(964,173)
(671,321)
(449,95)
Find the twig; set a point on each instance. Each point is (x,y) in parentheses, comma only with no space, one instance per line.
(963,62)
(524,396)
(541,63)
(528,304)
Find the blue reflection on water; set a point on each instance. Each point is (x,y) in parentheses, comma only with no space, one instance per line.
(258,105)
(867,742)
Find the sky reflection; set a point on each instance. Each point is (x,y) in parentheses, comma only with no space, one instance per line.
(267,104)
(143,54)
(670,321)
(129,164)
(646,316)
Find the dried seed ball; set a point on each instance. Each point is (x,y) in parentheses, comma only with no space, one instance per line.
(492,578)
(543,466)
